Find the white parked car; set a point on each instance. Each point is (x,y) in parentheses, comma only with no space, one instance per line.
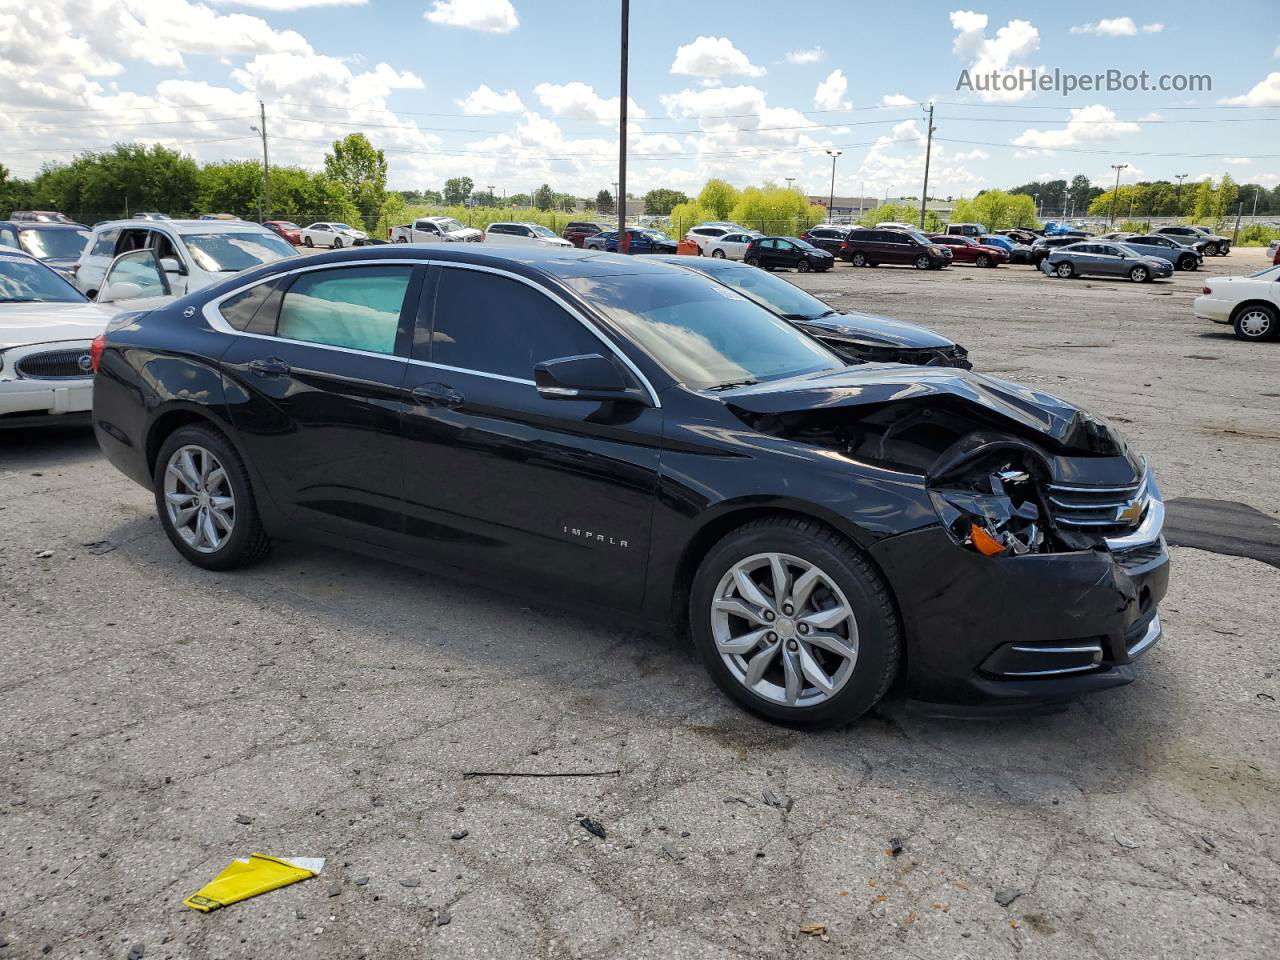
(330,233)
(704,233)
(195,253)
(533,234)
(731,246)
(435,230)
(47,328)
(1251,304)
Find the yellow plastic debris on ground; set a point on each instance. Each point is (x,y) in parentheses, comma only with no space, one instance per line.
(249,876)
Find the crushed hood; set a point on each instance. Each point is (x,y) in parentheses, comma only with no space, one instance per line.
(27,323)
(878,331)
(992,403)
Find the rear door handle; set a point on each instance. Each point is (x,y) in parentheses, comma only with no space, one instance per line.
(273,367)
(437,395)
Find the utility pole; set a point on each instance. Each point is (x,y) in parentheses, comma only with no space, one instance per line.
(831,199)
(624,239)
(928,150)
(1115,197)
(264,211)
(790,181)
(1177,194)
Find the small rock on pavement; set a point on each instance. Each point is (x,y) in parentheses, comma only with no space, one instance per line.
(895,846)
(592,827)
(409,883)
(361,881)
(459,834)
(1006,895)
(137,950)
(335,890)
(442,918)
(44,554)
(242,819)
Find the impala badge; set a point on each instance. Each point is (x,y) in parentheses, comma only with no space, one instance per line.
(595,536)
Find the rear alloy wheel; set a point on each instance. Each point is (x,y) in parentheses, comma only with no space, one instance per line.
(1211,249)
(1064,270)
(205,503)
(1188,263)
(794,624)
(859,260)
(717,253)
(752,261)
(982,260)
(921,262)
(1257,321)
(1139,274)
(804,266)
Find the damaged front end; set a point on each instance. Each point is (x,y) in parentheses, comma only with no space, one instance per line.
(1041,579)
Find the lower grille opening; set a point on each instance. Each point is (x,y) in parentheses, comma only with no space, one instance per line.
(1044,658)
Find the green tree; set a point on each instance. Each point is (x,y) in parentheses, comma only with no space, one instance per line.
(997,210)
(660,201)
(902,213)
(1080,193)
(1205,201)
(1049,194)
(305,196)
(604,202)
(544,197)
(774,210)
(686,215)
(518,200)
(1225,198)
(362,171)
(456,191)
(128,176)
(718,198)
(233,186)
(484,198)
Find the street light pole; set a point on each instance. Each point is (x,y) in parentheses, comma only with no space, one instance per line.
(1115,197)
(621,199)
(928,150)
(1177,194)
(790,181)
(831,197)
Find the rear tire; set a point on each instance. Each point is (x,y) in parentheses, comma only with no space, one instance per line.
(859,260)
(247,540)
(1256,322)
(819,668)
(752,261)
(717,254)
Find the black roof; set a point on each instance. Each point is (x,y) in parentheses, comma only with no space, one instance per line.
(559,262)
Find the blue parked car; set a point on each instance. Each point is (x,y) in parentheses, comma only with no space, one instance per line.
(1018,252)
(641,241)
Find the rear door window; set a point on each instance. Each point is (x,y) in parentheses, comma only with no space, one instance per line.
(254,310)
(354,307)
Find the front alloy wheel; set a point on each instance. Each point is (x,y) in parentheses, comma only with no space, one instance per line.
(1138,274)
(804,266)
(922,262)
(1063,270)
(1211,249)
(337,243)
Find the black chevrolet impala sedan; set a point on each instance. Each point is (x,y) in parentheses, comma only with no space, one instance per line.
(626,434)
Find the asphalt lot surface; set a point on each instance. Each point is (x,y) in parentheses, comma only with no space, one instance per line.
(148,709)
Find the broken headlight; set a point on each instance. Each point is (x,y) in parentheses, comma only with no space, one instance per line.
(995,512)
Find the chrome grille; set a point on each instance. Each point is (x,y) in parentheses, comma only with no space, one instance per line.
(53,365)
(1098,509)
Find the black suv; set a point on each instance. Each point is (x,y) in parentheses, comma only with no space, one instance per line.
(774,253)
(870,248)
(1046,245)
(826,238)
(644,442)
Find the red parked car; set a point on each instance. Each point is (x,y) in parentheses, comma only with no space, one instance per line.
(285,229)
(969,250)
(578,231)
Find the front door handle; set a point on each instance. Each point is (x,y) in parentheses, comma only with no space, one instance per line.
(437,395)
(273,367)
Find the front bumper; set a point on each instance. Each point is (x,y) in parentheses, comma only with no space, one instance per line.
(1028,630)
(26,400)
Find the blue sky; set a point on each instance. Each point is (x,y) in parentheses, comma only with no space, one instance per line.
(518,92)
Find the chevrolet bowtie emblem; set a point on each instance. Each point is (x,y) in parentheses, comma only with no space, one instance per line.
(1131,512)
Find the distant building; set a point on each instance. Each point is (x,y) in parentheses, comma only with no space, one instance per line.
(845,206)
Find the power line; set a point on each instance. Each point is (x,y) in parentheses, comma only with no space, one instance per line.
(140,123)
(1121,153)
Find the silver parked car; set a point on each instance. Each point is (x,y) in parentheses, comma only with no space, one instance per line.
(1183,256)
(1104,260)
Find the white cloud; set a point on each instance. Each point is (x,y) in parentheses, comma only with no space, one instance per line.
(1007,50)
(579,101)
(713,57)
(1117,27)
(1276,52)
(1153,28)
(830,92)
(1265,93)
(897,100)
(282,5)
(974,154)
(1086,124)
(1239,161)
(483,100)
(811,55)
(489,16)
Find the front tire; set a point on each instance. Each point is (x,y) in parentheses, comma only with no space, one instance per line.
(1188,263)
(1211,250)
(982,260)
(205,500)
(1139,275)
(804,266)
(921,262)
(1257,321)
(337,243)
(830,658)
(306,242)
(1064,270)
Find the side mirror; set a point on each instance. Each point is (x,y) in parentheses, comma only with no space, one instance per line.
(587,377)
(171,265)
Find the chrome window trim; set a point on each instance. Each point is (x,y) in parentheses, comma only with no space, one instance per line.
(215,319)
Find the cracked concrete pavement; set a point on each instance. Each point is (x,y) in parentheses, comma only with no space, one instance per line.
(337,702)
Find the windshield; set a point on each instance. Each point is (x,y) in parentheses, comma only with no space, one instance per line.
(542,231)
(450,225)
(657,235)
(55,244)
(704,334)
(288,225)
(341,226)
(802,244)
(25,281)
(233,252)
(769,290)
(919,237)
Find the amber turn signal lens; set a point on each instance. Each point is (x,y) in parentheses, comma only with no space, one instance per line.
(985,543)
